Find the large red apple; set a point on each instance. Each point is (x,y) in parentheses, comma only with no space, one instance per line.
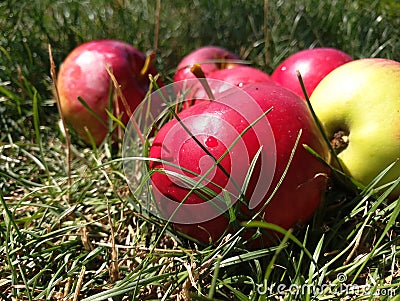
(83,74)
(214,126)
(313,65)
(210,58)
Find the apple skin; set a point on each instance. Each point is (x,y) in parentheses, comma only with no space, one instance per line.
(204,56)
(302,188)
(240,75)
(237,76)
(363,99)
(83,74)
(313,65)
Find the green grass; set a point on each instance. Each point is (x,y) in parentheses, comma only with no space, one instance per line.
(93,240)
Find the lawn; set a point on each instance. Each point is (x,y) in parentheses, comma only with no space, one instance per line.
(71,229)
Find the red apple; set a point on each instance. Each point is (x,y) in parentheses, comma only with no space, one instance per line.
(237,76)
(240,75)
(83,74)
(209,57)
(216,125)
(313,65)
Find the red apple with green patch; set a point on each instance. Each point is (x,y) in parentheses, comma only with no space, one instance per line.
(190,152)
(84,75)
(313,65)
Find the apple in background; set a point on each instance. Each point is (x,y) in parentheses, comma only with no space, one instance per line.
(359,104)
(83,74)
(209,57)
(301,190)
(313,65)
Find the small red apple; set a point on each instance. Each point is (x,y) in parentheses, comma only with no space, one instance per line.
(214,126)
(313,65)
(237,76)
(83,74)
(240,75)
(209,57)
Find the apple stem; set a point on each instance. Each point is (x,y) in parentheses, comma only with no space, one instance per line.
(198,72)
(150,58)
(318,122)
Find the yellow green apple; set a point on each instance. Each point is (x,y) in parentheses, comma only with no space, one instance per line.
(358,105)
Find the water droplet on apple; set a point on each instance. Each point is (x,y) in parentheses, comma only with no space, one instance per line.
(211,142)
